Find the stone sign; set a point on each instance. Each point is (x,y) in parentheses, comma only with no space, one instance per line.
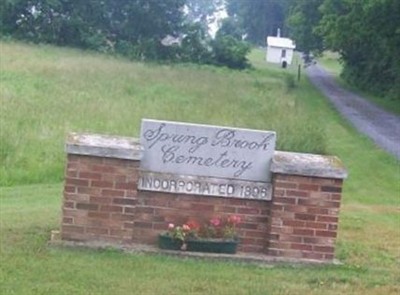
(206,160)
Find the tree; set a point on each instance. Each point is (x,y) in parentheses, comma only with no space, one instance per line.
(366,33)
(230,52)
(259,18)
(31,20)
(133,28)
(136,26)
(203,12)
(195,46)
(230,27)
(303,20)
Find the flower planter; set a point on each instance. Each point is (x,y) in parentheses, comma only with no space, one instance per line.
(211,246)
(169,243)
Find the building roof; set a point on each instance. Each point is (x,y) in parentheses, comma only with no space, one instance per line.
(280,42)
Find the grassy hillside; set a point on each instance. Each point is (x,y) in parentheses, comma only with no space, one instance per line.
(47,92)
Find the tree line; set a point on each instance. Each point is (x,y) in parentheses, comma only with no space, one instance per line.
(167,30)
(366,33)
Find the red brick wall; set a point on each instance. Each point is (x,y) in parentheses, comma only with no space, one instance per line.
(155,210)
(101,202)
(304,216)
(100,195)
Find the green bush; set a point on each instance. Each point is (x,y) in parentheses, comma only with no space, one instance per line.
(290,82)
(231,52)
(195,46)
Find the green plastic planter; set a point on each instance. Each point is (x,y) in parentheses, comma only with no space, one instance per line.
(213,246)
(210,246)
(169,243)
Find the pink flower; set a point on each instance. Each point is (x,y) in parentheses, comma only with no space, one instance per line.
(215,222)
(171,226)
(186,227)
(234,219)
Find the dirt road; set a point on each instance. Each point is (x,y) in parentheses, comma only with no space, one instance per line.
(382,127)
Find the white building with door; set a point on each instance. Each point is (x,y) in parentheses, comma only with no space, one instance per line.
(280,50)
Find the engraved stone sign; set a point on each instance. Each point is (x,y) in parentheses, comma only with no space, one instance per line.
(206,160)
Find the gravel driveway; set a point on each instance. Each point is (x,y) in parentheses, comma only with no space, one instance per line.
(382,127)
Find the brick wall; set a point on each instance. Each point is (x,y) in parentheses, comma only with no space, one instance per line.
(155,210)
(102,203)
(304,216)
(100,196)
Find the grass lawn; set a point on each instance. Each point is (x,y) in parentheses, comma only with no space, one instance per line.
(47,92)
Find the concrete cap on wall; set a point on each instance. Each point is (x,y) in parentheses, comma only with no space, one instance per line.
(104,146)
(119,147)
(308,165)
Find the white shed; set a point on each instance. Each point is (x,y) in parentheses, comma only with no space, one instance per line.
(280,50)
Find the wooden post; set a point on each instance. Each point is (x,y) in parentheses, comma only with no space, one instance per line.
(298,72)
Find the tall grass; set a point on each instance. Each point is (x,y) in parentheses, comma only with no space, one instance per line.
(47,92)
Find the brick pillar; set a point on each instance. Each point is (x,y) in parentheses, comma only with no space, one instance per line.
(305,205)
(100,191)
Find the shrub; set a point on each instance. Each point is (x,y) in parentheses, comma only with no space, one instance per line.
(195,47)
(290,82)
(230,52)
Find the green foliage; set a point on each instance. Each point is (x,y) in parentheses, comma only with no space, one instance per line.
(195,45)
(228,48)
(304,17)
(202,12)
(230,52)
(259,18)
(366,33)
(290,81)
(136,27)
(230,27)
